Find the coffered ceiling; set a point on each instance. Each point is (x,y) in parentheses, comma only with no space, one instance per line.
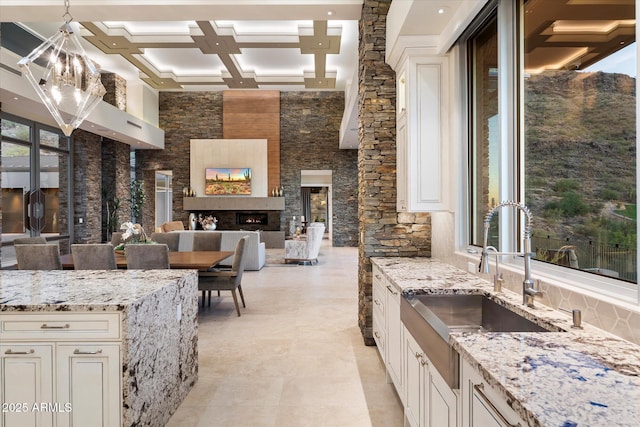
(210,44)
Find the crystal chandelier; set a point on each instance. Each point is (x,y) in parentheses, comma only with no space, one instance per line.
(69,85)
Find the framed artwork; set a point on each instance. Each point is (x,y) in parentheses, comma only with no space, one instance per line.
(227,181)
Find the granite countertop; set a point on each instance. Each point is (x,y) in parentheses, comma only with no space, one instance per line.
(93,290)
(579,377)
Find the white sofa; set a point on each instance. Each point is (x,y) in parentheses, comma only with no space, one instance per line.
(255,249)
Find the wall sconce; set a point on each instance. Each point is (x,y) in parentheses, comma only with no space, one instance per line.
(69,85)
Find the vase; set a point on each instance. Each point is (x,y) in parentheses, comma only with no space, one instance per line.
(192,221)
(209,227)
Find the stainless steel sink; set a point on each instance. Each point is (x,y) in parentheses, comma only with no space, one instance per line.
(431,318)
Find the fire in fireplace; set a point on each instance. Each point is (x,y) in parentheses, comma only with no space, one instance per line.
(254,218)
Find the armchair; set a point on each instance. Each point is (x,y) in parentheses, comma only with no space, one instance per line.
(305,251)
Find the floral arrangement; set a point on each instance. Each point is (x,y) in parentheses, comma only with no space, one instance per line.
(207,222)
(132,233)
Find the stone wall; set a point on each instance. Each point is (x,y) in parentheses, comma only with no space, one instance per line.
(309,137)
(116,87)
(309,140)
(87,187)
(115,183)
(384,231)
(183,116)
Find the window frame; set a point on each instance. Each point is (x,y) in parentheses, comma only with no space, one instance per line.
(511,160)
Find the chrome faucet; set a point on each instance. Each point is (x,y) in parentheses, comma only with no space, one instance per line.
(528,291)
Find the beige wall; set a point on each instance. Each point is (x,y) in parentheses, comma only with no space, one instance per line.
(230,153)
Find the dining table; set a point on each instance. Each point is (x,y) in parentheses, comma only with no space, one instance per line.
(188,260)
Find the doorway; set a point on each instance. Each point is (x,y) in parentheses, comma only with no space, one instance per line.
(316,197)
(164,196)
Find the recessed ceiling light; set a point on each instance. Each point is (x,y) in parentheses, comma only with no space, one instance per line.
(217,43)
(319,43)
(331,12)
(15,98)
(114,44)
(442,10)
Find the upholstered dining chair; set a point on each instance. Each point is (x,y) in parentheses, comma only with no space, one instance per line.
(141,256)
(37,240)
(172,226)
(38,257)
(93,256)
(172,240)
(116,238)
(206,241)
(226,280)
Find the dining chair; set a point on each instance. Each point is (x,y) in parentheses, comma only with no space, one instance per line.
(172,240)
(141,256)
(38,257)
(93,256)
(206,241)
(226,280)
(37,240)
(116,238)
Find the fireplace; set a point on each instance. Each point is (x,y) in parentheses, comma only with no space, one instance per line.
(245,220)
(252,218)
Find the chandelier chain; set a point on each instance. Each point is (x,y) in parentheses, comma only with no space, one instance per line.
(67,16)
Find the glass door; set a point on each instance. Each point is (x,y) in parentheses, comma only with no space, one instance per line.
(35,184)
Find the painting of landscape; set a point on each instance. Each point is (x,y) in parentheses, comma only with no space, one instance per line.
(227,181)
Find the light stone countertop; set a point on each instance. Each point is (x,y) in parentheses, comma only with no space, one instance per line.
(70,290)
(580,377)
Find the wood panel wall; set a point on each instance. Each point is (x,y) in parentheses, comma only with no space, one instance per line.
(255,114)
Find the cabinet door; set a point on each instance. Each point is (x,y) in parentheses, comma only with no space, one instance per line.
(89,379)
(443,402)
(481,405)
(402,173)
(394,339)
(26,377)
(414,382)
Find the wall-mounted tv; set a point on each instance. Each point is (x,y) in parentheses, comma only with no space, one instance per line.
(227,181)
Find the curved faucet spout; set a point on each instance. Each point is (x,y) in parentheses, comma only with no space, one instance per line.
(527,283)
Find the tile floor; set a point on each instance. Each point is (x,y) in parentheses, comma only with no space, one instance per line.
(294,358)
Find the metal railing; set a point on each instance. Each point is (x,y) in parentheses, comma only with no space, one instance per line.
(609,260)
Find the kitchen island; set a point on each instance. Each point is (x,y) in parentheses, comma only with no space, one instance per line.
(105,348)
(575,377)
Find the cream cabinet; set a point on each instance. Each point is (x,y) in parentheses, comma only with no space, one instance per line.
(387,328)
(64,369)
(429,402)
(27,378)
(423,134)
(482,406)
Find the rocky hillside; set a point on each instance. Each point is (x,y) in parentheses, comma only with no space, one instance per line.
(580,154)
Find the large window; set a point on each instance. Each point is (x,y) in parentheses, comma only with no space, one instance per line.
(572,112)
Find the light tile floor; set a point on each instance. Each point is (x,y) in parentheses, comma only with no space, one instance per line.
(294,358)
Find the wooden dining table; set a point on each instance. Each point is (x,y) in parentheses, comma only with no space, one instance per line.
(189,260)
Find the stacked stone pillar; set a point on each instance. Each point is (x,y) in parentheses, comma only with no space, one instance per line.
(382,230)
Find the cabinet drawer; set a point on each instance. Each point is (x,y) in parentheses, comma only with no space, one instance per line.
(52,326)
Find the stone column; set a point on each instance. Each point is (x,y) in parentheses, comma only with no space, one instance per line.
(382,230)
